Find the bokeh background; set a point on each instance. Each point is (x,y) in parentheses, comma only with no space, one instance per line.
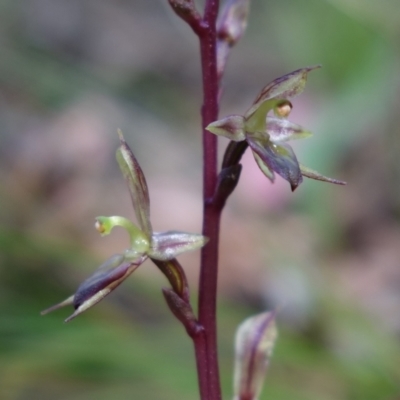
(72,72)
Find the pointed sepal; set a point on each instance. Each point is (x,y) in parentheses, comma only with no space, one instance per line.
(168,245)
(310,173)
(67,302)
(271,96)
(107,277)
(254,342)
(264,167)
(136,183)
(231,127)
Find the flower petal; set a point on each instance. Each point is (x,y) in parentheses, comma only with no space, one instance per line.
(136,183)
(284,87)
(255,339)
(231,127)
(278,157)
(168,245)
(107,277)
(282,130)
(310,173)
(264,167)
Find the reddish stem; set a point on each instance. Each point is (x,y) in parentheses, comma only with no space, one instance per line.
(205,339)
(206,342)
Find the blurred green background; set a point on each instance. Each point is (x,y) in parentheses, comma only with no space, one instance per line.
(72,72)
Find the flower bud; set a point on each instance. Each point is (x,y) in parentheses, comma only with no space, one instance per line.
(255,339)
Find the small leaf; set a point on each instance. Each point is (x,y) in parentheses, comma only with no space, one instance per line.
(255,339)
(278,157)
(310,173)
(231,127)
(136,183)
(107,277)
(284,87)
(282,130)
(168,245)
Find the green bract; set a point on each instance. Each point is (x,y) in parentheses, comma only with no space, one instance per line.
(161,247)
(267,135)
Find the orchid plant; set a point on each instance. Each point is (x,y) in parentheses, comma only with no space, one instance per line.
(266,130)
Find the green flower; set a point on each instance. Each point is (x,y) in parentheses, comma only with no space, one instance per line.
(161,247)
(268,135)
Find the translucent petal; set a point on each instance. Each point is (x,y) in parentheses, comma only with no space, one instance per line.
(168,245)
(282,130)
(136,183)
(278,157)
(254,342)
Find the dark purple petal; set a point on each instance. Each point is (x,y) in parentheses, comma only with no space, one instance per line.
(278,157)
(104,280)
(107,277)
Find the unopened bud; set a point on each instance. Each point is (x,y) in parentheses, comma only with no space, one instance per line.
(233,21)
(255,339)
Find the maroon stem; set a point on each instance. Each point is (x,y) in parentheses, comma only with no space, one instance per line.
(206,342)
(205,339)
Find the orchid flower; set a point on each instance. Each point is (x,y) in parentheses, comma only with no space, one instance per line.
(267,135)
(161,247)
